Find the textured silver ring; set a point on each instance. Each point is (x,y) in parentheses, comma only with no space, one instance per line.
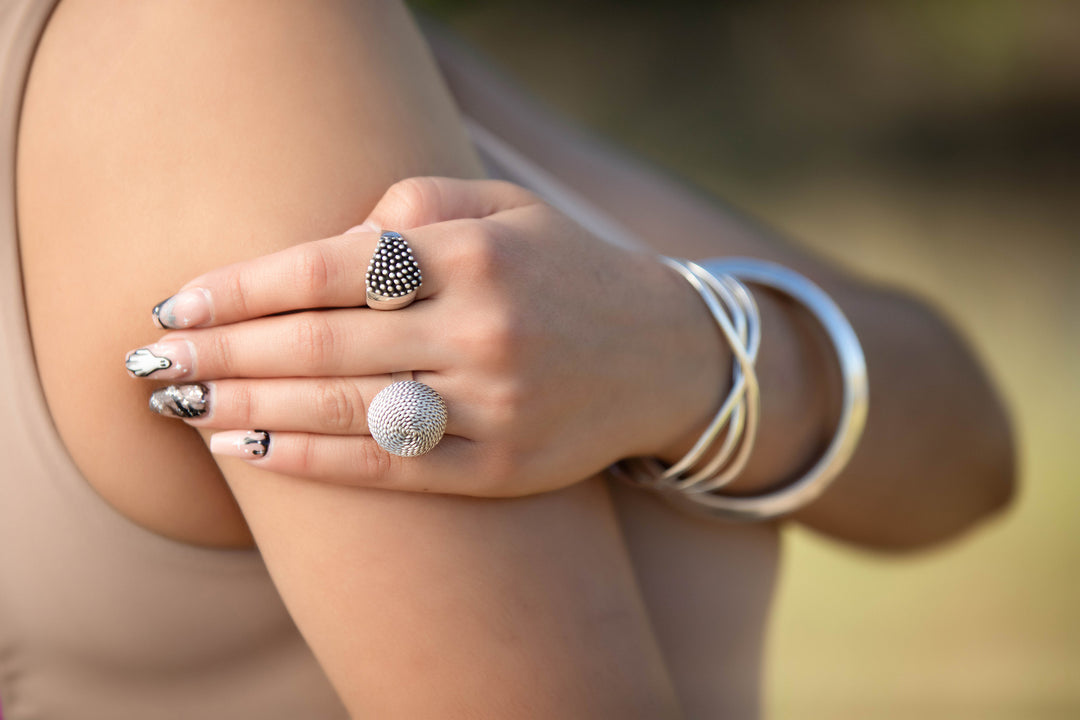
(407,418)
(393,275)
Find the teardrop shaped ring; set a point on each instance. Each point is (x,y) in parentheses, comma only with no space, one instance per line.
(393,276)
(407,418)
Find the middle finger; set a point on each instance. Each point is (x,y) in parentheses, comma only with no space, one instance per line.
(343,343)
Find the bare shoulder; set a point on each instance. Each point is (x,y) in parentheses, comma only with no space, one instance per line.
(159,140)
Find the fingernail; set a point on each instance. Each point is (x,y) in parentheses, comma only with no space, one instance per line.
(181,401)
(168,360)
(188,308)
(245,444)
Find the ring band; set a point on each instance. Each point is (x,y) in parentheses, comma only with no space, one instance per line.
(407,418)
(393,276)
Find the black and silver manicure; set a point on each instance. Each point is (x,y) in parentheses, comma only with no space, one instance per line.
(181,401)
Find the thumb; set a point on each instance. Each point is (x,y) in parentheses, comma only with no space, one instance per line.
(419,201)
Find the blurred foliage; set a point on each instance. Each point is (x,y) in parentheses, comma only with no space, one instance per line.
(928,143)
(773,87)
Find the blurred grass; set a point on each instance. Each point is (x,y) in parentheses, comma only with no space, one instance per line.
(929,144)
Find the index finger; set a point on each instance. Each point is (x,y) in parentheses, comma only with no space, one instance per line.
(328,273)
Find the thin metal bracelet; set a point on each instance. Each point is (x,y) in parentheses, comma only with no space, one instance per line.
(721,470)
(801,491)
(738,412)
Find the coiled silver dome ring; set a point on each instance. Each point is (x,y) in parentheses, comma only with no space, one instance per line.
(407,418)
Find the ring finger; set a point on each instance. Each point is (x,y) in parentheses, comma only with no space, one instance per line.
(325,406)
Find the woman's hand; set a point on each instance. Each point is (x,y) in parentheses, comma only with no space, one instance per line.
(556,353)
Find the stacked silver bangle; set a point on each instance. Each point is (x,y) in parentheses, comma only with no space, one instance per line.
(693,482)
(736,315)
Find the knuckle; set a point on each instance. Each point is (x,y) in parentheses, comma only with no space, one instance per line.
(312,274)
(410,202)
(477,247)
(221,355)
(470,340)
(338,404)
(236,293)
(372,464)
(314,341)
(306,455)
(504,403)
(242,405)
(495,340)
(504,336)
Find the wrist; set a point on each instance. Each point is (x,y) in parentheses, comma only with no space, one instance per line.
(800,385)
(697,373)
(695,480)
(800,396)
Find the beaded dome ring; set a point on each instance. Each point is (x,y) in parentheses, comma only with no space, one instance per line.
(393,276)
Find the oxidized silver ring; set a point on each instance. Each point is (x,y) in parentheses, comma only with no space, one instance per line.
(393,275)
(407,418)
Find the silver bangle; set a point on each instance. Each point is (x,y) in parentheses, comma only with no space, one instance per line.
(796,494)
(724,297)
(720,471)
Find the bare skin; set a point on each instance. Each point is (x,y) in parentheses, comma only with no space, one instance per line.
(149,190)
(938,451)
(188,184)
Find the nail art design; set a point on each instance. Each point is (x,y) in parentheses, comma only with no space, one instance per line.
(256,443)
(187,308)
(181,401)
(143,362)
(171,359)
(245,444)
(162,315)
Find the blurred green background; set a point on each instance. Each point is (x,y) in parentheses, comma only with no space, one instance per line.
(933,145)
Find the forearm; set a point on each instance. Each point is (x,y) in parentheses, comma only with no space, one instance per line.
(422,605)
(937,453)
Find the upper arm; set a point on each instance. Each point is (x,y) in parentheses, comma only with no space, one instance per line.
(159,141)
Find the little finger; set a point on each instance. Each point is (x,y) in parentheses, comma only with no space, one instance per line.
(356,460)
